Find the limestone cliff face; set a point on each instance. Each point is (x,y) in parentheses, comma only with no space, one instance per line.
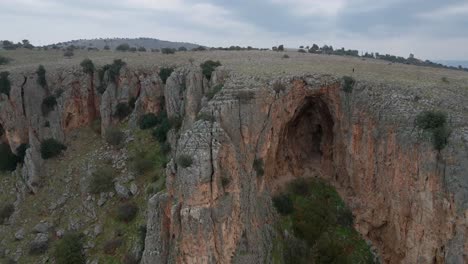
(409,200)
(218,209)
(78,105)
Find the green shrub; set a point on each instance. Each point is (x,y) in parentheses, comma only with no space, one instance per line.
(38,248)
(114,136)
(51,148)
(279,87)
(285,56)
(164,73)
(8,160)
(21,152)
(445,80)
(148,121)
(428,120)
(88,66)
(122,110)
(4,60)
(141,163)
(48,104)
(300,187)
(296,251)
(69,249)
(175,122)
(348,84)
(68,53)
(258,167)
(208,67)
(111,246)
(434,122)
(283,204)
(41,76)
(216,89)
(133,49)
(142,49)
(182,49)
(127,212)
(114,70)
(330,249)
(165,148)
(160,133)
(5,84)
(184,161)
(132,102)
(102,180)
(225,181)
(168,51)
(6,211)
(123,47)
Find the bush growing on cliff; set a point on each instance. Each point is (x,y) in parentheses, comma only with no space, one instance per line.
(6,210)
(48,104)
(258,167)
(69,249)
(88,66)
(127,212)
(208,67)
(123,47)
(122,110)
(148,121)
(283,204)
(102,180)
(21,152)
(164,73)
(5,84)
(4,60)
(51,148)
(348,84)
(8,160)
(434,122)
(114,136)
(41,76)
(184,161)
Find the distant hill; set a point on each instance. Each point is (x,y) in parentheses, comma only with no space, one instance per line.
(454,63)
(147,43)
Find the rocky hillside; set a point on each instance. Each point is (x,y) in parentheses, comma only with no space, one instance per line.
(239,161)
(147,43)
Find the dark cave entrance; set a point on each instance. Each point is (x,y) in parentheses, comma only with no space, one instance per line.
(306,144)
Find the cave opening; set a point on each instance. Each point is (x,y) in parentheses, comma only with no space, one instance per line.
(306,143)
(315,225)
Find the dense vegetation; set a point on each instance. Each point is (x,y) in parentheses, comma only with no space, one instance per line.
(69,249)
(114,136)
(434,122)
(102,180)
(164,73)
(348,84)
(113,72)
(8,160)
(322,226)
(208,67)
(48,104)
(51,148)
(5,85)
(88,66)
(41,76)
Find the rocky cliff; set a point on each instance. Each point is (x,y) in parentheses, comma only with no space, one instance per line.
(409,200)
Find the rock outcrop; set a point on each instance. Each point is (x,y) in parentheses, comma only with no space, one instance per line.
(364,142)
(408,199)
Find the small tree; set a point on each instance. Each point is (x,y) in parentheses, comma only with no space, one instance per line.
(281,48)
(88,66)
(184,161)
(5,85)
(8,160)
(142,49)
(122,110)
(41,76)
(123,47)
(21,152)
(48,104)
(68,54)
(102,180)
(168,51)
(127,212)
(51,148)
(147,121)
(164,73)
(348,84)
(283,204)
(208,67)
(6,210)
(69,249)
(182,49)
(258,167)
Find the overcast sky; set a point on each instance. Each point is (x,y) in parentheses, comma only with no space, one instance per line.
(431,29)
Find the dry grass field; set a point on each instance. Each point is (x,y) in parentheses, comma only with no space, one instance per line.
(265,64)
